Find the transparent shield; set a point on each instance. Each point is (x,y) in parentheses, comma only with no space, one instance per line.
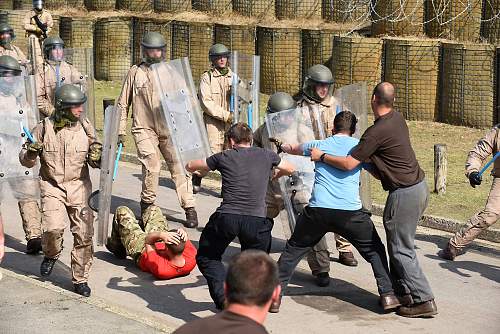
(110,135)
(292,127)
(245,89)
(180,106)
(352,98)
(19,116)
(33,49)
(82,59)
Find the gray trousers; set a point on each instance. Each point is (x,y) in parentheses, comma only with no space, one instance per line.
(403,210)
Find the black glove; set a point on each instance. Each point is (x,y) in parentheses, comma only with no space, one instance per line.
(475,179)
(121,140)
(278,144)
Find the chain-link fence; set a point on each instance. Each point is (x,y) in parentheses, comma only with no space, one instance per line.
(77,32)
(6,4)
(76,4)
(412,66)
(171,6)
(144,25)
(193,40)
(16,18)
(236,37)
(4,17)
(346,11)
(254,8)
(396,18)
(100,4)
(215,7)
(490,26)
(135,5)
(466,84)
(295,9)
(317,48)
(113,48)
(280,59)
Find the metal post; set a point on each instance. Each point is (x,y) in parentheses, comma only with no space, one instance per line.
(440,168)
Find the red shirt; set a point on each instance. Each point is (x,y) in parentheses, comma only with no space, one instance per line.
(161,267)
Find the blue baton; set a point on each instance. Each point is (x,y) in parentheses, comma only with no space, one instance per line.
(488,164)
(28,134)
(118,155)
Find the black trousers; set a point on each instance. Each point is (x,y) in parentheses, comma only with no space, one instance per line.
(356,226)
(222,228)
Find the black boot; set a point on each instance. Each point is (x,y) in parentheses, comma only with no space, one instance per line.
(191,218)
(322,280)
(47,266)
(82,289)
(34,246)
(196,180)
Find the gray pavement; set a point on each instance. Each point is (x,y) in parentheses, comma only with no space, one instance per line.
(467,290)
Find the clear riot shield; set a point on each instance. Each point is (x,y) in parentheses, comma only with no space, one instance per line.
(245,89)
(180,106)
(19,116)
(353,98)
(292,127)
(111,128)
(83,60)
(33,55)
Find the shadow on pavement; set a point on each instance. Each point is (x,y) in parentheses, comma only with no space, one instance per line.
(488,271)
(335,298)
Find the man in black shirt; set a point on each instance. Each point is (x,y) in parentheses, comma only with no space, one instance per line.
(245,171)
(387,145)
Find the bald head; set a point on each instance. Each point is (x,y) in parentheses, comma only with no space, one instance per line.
(384,94)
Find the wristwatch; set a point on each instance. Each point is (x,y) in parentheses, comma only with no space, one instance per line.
(322,157)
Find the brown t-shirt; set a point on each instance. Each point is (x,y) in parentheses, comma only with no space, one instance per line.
(222,323)
(387,145)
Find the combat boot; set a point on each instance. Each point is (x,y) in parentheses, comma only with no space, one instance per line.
(47,266)
(196,180)
(348,259)
(449,253)
(191,218)
(82,289)
(34,246)
(322,280)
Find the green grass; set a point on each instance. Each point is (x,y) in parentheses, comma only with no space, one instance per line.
(460,201)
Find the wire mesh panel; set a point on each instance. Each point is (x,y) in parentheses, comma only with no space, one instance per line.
(295,9)
(236,37)
(4,17)
(356,59)
(76,4)
(77,32)
(317,48)
(100,4)
(345,11)
(16,18)
(280,64)
(459,20)
(398,18)
(7,4)
(144,25)
(254,8)
(497,86)
(193,40)
(213,6)
(135,5)
(55,4)
(490,25)
(113,49)
(412,66)
(466,85)
(171,6)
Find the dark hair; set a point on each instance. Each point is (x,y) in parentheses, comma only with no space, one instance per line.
(251,278)
(177,249)
(385,94)
(240,133)
(345,121)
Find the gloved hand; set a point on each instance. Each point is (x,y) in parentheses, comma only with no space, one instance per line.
(121,140)
(278,144)
(34,148)
(475,179)
(230,118)
(94,155)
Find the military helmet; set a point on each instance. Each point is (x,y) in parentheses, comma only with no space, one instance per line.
(5,27)
(280,101)
(38,4)
(69,95)
(9,66)
(218,50)
(51,43)
(153,40)
(317,74)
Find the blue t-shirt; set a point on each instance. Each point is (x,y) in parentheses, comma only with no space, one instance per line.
(335,188)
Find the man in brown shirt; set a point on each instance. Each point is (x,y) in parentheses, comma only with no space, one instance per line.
(251,286)
(386,144)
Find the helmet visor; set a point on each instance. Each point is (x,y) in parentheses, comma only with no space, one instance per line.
(153,55)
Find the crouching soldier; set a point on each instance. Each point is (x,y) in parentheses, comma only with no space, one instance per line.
(66,146)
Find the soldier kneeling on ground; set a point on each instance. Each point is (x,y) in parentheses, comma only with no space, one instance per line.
(154,248)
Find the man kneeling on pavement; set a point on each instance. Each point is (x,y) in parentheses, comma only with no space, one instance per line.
(154,248)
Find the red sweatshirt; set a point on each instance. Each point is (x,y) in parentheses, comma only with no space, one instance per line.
(161,267)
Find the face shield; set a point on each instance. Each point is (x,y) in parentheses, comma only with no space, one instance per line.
(317,91)
(54,53)
(153,55)
(11,82)
(6,38)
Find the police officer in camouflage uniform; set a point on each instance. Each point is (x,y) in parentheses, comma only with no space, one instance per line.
(7,48)
(25,191)
(150,131)
(318,100)
(488,145)
(319,257)
(54,73)
(66,145)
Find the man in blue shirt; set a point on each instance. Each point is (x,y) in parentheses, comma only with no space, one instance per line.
(335,206)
